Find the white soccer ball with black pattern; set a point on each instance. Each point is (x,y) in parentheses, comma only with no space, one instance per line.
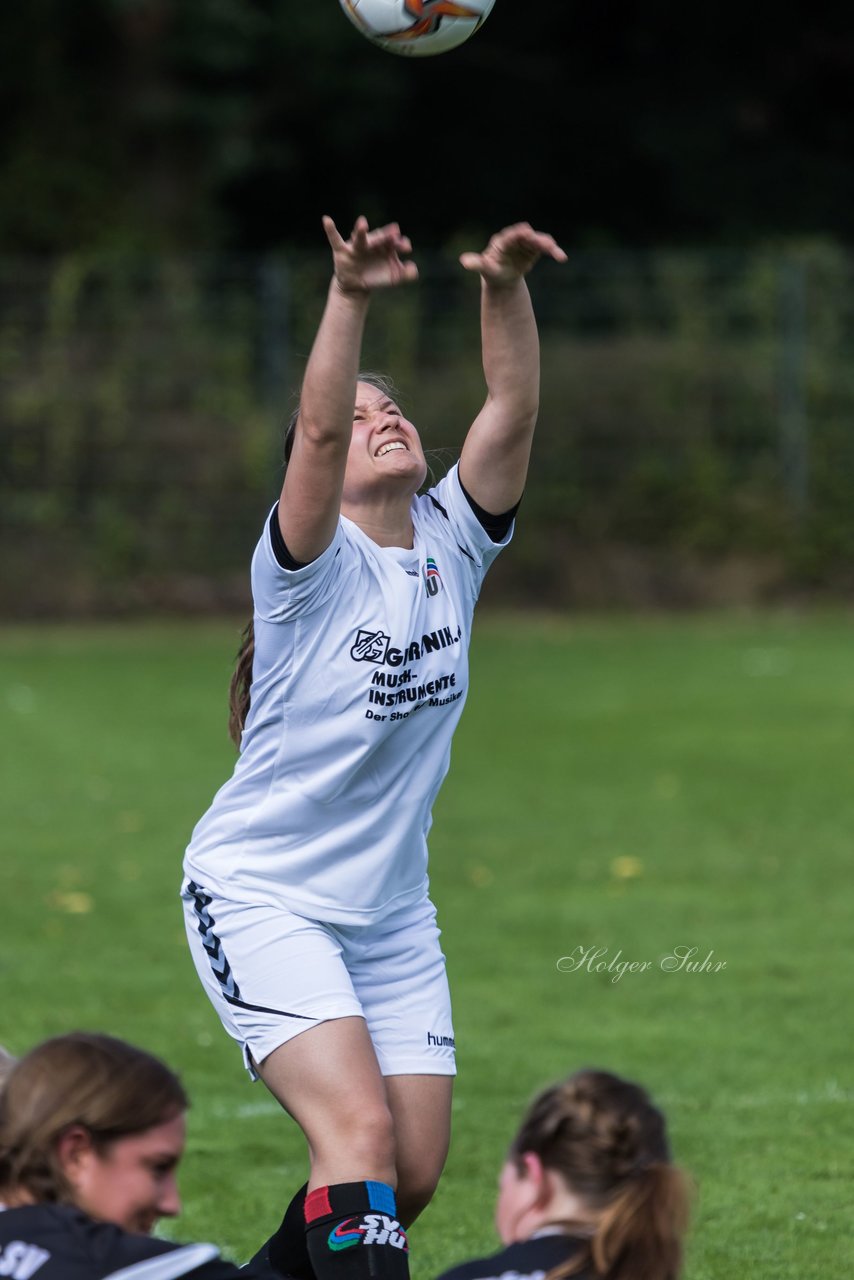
(417,28)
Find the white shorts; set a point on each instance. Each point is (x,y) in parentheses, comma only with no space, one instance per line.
(271,974)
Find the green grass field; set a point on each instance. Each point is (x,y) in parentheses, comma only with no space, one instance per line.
(632,785)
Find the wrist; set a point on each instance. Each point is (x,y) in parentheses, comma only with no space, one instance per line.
(350,293)
(491,284)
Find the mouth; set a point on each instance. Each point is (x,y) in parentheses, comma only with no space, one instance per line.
(389,447)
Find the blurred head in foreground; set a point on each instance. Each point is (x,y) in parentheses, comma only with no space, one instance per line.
(592,1158)
(94,1122)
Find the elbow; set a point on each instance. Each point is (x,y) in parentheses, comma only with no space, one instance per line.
(320,432)
(520,410)
(528,415)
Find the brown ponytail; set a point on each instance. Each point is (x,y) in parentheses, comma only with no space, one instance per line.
(608,1142)
(241,684)
(640,1233)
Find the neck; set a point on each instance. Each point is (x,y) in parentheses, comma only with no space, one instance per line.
(558,1208)
(583,1230)
(388,524)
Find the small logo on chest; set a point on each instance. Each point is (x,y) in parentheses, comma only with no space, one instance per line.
(432,577)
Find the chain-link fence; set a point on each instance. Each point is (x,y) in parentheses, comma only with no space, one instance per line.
(695,440)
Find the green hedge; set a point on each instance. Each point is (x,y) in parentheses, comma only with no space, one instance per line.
(695,423)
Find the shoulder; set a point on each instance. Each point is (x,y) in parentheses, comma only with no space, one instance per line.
(526,1260)
(63,1243)
(441,501)
(56,1224)
(448,511)
(281,591)
(66,1242)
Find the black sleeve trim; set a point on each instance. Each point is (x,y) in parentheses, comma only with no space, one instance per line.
(438,505)
(496,526)
(280,551)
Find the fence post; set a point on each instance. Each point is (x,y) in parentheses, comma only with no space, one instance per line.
(794,427)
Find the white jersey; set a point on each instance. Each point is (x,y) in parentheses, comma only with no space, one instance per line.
(359,679)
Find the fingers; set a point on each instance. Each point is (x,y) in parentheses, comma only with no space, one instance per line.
(511,253)
(362,236)
(359,234)
(363,239)
(523,236)
(520,237)
(388,237)
(541,243)
(370,258)
(333,235)
(546,244)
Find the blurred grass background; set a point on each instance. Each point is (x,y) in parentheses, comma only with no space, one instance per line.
(631,784)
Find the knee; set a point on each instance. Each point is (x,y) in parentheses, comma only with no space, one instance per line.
(362,1138)
(415,1189)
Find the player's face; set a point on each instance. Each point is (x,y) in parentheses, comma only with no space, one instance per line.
(384,446)
(131,1182)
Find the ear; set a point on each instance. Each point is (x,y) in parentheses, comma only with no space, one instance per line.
(73,1149)
(536,1176)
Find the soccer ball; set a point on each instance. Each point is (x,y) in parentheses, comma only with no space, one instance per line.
(417,28)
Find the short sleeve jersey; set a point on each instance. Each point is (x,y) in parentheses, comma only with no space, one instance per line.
(359,679)
(531,1259)
(58,1242)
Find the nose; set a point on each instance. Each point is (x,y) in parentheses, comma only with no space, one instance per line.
(169,1201)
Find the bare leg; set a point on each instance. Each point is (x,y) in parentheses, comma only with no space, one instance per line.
(359,1128)
(328,1079)
(421,1113)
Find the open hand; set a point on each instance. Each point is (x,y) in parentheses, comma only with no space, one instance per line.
(369,259)
(511,253)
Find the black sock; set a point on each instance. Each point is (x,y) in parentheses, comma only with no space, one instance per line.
(353,1233)
(286,1251)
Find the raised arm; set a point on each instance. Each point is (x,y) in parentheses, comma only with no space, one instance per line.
(311,494)
(494,460)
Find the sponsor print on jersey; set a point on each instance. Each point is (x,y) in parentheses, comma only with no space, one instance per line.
(376,646)
(20,1260)
(432,577)
(375,1228)
(369,646)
